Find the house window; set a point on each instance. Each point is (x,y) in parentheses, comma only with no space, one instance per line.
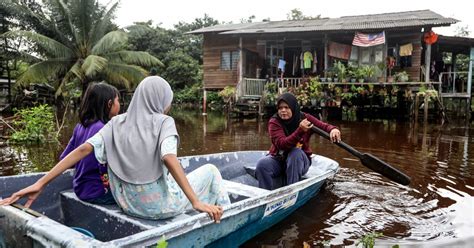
(365,56)
(229,60)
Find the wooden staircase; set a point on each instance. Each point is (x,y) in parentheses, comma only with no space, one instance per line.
(249,97)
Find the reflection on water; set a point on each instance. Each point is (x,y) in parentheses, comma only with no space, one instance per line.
(437,206)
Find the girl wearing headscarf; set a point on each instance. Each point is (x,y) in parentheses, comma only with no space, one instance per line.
(289,130)
(140,149)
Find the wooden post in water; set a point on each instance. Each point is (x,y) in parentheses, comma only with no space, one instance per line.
(425,113)
(241,61)
(204,102)
(415,107)
(427,78)
(469,83)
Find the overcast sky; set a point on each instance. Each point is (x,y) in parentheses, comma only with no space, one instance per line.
(170,12)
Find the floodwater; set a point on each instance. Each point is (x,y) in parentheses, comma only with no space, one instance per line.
(436,208)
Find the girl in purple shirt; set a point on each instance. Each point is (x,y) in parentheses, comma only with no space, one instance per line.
(100,103)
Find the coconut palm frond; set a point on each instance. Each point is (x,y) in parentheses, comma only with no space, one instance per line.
(100,28)
(118,80)
(77,70)
(66,14)
(41,72)
(135,58)
(83,19)
(134,74)
(93,64)
(111,42)
(70,76)
(22,55)
(52,47)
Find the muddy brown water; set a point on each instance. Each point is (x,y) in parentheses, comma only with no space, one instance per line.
(438,205)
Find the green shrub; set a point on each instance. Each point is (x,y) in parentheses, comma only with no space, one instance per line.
(35,125)
(213,97)
(191,94)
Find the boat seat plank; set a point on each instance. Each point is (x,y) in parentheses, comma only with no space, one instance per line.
(74,208)
(243,189)
(318,164)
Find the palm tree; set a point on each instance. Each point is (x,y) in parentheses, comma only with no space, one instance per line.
(77,43)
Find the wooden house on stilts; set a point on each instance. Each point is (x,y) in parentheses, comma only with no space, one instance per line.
(249,55)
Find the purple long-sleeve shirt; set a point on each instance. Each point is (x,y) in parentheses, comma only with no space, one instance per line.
(285,143)
(90,180)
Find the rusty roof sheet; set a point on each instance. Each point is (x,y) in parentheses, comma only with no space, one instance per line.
(418,18)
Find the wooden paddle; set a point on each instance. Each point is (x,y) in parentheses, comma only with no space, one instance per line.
(370,161)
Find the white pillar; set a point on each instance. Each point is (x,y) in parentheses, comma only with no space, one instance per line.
(427,63)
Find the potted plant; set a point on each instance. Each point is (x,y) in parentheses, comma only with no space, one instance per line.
(402,76)
(341,71)
(302,94)
(330,75)
(360,74)
(351,73)
(314,89)
(369,72)
(381,72)
(270,93)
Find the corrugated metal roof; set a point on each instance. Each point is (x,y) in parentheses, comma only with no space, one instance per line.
(416,18)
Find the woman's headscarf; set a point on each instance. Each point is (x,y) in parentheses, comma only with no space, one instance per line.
(133,140)
(292,124)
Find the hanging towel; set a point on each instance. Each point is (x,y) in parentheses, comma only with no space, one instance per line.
(301,61)
(338,50)
(315,62)
(406,49)
(281,65)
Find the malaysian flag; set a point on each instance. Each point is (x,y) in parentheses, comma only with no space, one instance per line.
(366,40)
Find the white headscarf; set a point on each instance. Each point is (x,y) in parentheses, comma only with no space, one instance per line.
(133,140)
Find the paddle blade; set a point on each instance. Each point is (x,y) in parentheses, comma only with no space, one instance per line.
(377,165)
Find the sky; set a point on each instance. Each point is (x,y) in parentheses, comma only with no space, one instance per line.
(168,13)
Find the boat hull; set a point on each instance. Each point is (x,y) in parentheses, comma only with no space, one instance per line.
(252,211)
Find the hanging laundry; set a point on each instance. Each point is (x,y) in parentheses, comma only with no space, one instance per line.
(281,64)
(301,61)
(406,50)
(338,50)
(295,64)
(308,58)
(315,62)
